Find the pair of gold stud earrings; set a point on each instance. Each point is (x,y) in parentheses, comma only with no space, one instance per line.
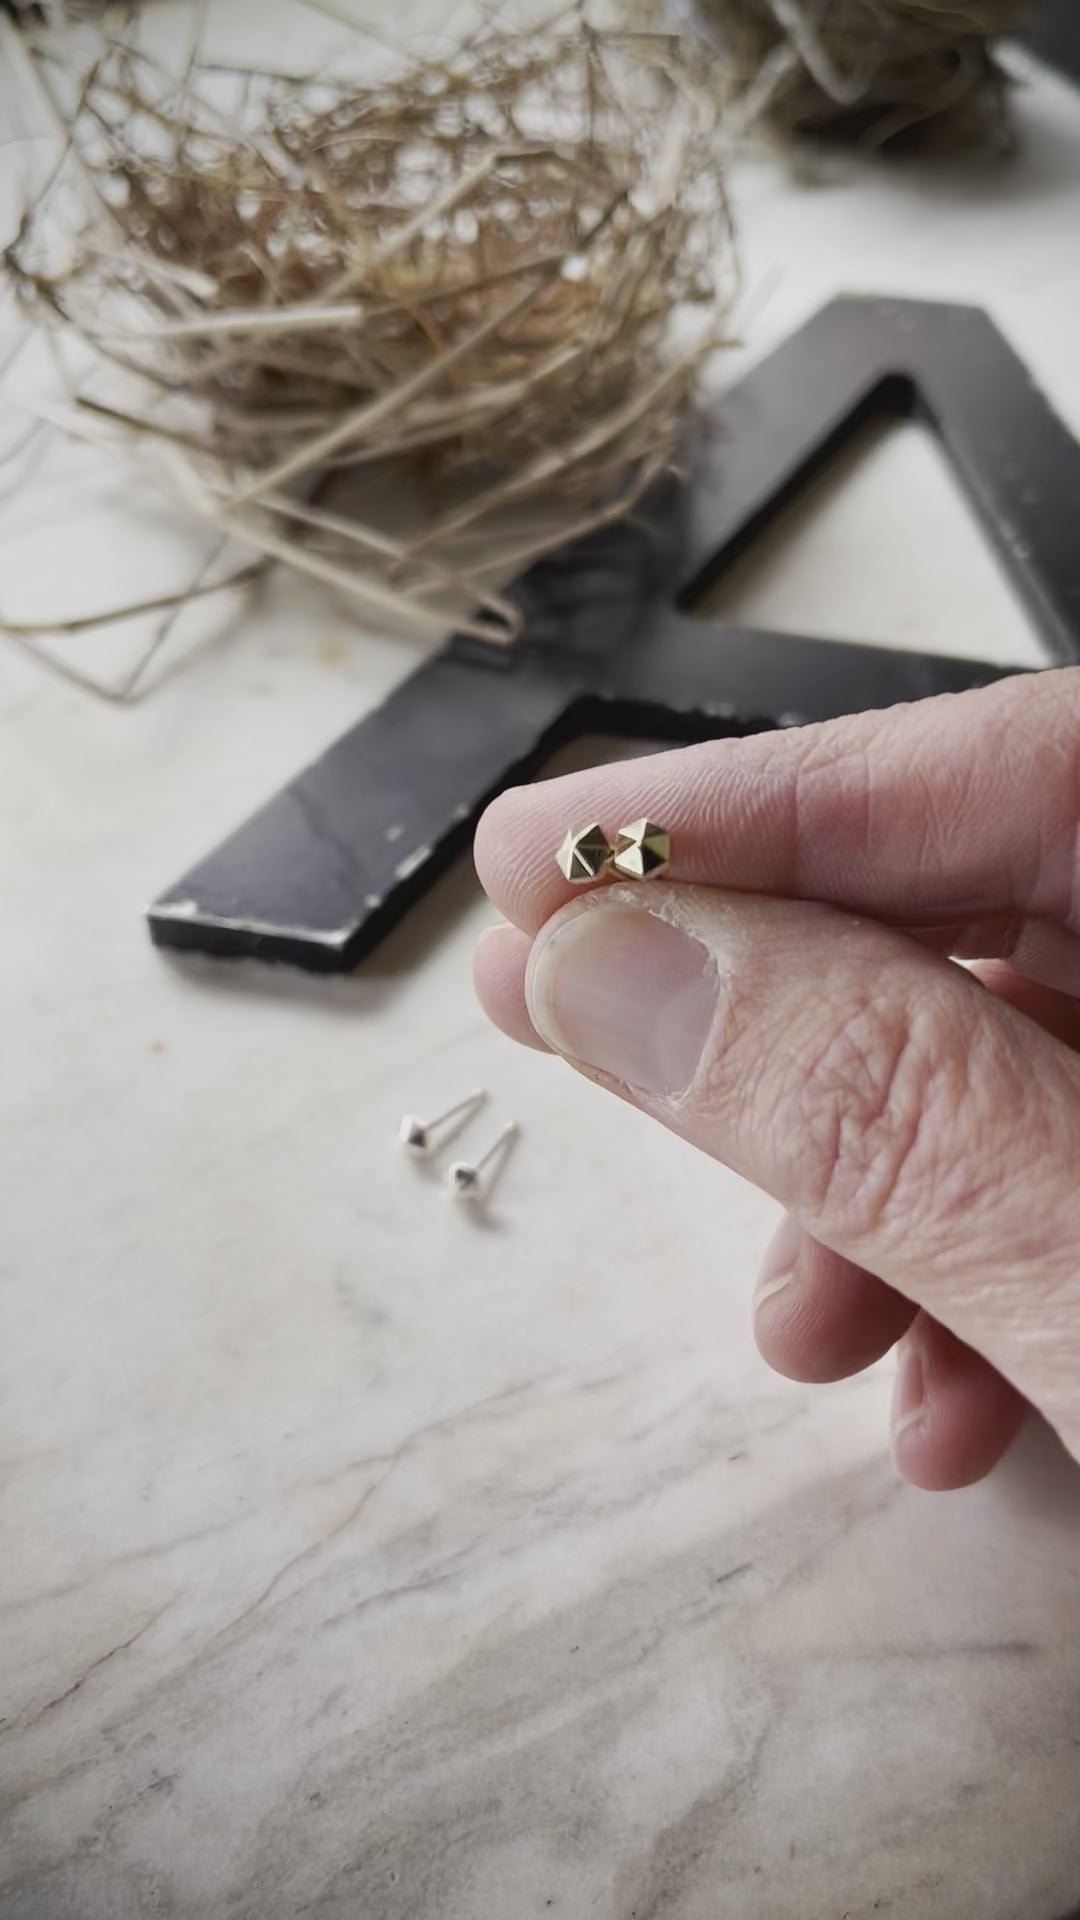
(638,852)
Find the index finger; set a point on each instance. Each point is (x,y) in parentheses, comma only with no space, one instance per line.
(954,808)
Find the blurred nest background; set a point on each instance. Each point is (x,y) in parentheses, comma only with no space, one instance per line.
(866,70)
(405,335)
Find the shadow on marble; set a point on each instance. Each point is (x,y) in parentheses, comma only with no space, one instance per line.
(1041,170)
(1040,1481)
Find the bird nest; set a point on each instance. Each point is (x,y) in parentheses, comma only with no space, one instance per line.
(480,290)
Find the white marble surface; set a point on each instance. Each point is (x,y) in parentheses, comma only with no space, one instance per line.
(366,1559)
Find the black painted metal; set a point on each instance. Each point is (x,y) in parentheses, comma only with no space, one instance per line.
(322,872)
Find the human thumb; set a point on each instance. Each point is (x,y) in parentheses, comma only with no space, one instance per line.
(915,1124)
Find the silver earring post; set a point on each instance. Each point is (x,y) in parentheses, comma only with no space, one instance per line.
(415,1134)
(464,1178)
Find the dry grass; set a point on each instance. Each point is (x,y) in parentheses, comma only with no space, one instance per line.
(465,287)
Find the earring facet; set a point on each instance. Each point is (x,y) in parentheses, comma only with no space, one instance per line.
(642,850)
(584,855)
(464,1178)
(415,1134)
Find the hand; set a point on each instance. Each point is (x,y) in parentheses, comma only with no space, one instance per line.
(784,999)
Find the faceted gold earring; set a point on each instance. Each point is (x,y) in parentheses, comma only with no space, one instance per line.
(584,855)
(641,851)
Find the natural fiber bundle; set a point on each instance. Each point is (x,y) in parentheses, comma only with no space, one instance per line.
(866,69)
(468,283)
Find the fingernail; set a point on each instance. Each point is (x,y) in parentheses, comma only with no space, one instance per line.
(909,1393)
(779,1260)
(624,991)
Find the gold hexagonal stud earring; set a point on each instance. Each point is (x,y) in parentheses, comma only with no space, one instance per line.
(641,850)
(584,855)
